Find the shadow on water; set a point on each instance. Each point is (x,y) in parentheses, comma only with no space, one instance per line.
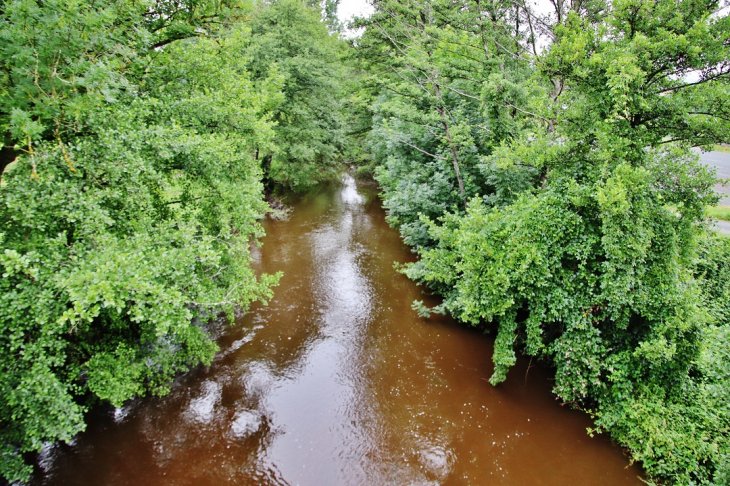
(339,382)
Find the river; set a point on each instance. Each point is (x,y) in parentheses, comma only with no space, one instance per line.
(339,382)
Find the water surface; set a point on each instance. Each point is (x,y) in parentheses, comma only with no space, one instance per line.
(339,382)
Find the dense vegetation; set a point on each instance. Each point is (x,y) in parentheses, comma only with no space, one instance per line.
(290,41)
(539,164)
(138,131)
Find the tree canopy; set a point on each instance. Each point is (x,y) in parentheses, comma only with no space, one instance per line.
(540,165)
(136,131)
(289,39)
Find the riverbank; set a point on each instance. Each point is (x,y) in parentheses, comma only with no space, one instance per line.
(338,381)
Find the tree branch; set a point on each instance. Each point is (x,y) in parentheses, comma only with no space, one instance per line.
(420,149)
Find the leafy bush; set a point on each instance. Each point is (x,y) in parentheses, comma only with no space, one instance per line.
(129,214)
(576,229)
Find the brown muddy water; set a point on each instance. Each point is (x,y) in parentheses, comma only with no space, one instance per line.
(339,382)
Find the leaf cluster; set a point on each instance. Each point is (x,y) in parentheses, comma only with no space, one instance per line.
(580,236)
(126,223)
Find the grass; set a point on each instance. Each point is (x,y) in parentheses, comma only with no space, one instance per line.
(719,212)
(721,148)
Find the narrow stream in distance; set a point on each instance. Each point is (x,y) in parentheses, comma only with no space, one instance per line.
(339,382)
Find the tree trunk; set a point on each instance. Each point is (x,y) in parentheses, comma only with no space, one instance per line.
(454,153)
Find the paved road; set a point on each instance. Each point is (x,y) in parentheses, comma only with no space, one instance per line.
(722,226)
(721,161)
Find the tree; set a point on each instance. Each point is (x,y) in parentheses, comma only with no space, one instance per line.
(127,221)
(289,39)
(589,261)
(448,94)
(61,58)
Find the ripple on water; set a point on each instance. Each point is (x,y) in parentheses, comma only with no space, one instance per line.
(245,423)
(339,382)
(202,407)
(436,461)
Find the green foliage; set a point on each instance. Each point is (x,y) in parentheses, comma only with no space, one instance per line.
(288,39)
(684,436)
(62,57)
(446,89)
(126,222)
(582,237)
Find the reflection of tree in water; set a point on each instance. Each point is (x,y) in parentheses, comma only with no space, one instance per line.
(338,381)
(332,302)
